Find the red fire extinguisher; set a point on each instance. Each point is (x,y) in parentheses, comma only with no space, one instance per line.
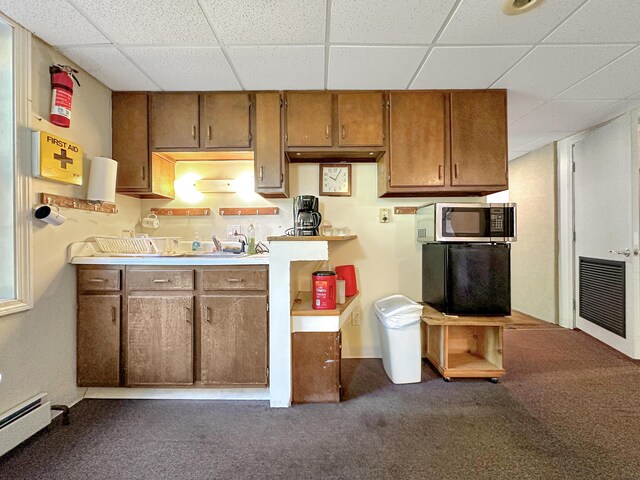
(62,77)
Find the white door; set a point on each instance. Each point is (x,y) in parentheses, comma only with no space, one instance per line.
(605,205)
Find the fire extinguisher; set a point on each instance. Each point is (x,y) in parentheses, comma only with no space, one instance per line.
(62,77)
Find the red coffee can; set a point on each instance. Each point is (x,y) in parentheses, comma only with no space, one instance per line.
(324,290)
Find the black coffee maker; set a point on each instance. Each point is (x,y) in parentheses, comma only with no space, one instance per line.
(306,218)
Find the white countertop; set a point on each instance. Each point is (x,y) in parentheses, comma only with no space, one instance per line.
(85,253)
(259,259)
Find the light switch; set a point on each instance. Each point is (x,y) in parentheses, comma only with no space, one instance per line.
(384,215)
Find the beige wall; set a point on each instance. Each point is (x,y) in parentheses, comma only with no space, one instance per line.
(532,181)
(37,347)
(387,256)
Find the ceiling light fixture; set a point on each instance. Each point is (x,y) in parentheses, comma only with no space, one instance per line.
(516,7)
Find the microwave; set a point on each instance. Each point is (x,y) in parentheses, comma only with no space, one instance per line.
(466,222)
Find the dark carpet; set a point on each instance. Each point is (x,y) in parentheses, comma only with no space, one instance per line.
(568,408)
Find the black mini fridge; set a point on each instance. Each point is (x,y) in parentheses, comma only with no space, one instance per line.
(467,278)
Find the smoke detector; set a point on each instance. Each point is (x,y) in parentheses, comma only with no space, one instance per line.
(516,7)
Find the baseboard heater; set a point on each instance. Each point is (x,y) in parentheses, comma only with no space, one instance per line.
(24,420)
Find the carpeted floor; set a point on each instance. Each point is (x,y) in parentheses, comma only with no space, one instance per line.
(568,409)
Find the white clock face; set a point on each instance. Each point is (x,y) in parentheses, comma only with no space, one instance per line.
(335,179)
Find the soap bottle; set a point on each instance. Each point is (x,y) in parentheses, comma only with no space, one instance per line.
(196,246)
(251,238)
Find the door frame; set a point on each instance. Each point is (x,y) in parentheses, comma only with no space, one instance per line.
(566,226)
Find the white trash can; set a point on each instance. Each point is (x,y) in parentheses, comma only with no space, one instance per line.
(399,327)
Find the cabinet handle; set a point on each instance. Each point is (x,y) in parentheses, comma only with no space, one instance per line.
(235,280)
(114,314)
(344,131)
(455,170)
(188,309)
(143,172)
(439,172)
(261,173)
(161,280)
(326,131)
(208,132)
(193,132)
(97,280)
(207,314)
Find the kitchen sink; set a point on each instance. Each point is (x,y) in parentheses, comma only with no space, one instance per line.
(214,254)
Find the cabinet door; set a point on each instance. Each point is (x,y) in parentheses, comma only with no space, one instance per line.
(309,119)
(479,138)
(234,338)
(270,170)
(226,120)
(159,340)
(418,139)
(175,120)
(129,124)
(316,367)
(361,119)
(98,341)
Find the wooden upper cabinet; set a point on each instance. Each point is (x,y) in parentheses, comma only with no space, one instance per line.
(271,175)
(159,339)
(361,119)
(175,120)
(418,139)
(309,119)
(98,340)
(226,120)
(479,138)
(234,338)
(130,143)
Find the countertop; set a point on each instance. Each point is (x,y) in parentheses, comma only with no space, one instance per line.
(86,253)
(319,238)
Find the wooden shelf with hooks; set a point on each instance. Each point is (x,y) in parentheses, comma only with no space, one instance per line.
(77,203)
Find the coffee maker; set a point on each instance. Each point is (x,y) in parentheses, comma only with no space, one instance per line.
(306,218)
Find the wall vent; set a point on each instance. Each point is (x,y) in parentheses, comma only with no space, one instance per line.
(602,293)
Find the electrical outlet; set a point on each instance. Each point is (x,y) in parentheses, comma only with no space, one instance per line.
(355,318)
(384,215)
(233,230)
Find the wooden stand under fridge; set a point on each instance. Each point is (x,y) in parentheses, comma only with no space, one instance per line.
(465,346)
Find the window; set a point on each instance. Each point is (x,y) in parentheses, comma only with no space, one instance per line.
(15,225)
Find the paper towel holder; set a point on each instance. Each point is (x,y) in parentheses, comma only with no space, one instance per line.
(101,186)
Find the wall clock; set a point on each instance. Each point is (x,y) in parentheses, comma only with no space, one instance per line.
(335,180)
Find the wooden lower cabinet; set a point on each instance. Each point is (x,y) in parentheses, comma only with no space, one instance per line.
(98,337)
(233,338)
(316,367)
(159,341)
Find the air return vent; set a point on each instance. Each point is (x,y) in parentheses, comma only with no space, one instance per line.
(602,293)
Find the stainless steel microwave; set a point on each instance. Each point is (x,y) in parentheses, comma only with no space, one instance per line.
(466,222)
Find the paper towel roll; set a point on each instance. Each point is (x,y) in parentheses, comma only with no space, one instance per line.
(102,180)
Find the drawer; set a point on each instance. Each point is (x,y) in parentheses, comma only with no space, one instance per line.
(234,278)
(99,280)
(160,279)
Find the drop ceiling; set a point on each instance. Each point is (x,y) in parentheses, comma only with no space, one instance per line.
(568,64)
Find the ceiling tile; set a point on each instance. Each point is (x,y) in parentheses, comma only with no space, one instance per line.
(601,21)
(449,67)
(111,67)
(150,22)
(515,154)
(39,17)
(482,21)
(362,68)
(519,104)
(279,68)
(385,22)
(545,139)
(207,67)
(618,80)
(560,116)
(612,111)
(550,69)
(243,22)
(518,140)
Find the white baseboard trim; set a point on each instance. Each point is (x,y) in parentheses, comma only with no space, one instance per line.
(177,393)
